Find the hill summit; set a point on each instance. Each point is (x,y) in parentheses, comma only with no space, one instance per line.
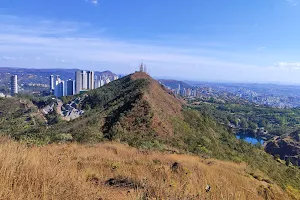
(163,104)
(133,105)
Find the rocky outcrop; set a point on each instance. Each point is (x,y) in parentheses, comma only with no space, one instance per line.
(287,147)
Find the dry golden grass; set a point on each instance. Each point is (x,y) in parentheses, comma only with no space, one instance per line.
(74,171)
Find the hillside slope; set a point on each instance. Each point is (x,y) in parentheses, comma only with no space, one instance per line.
(128,109)
(116,171)
(286,146)
(162,103)
(19,116)
(138,111)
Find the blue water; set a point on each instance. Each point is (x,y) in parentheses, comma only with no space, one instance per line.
(249,139)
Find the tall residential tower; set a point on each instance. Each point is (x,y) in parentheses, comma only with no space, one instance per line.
(52,83)
(14,85)
(84,81)
(59,89)
(90,80)
(70,87)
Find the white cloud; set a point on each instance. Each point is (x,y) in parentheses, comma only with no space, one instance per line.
(103,50)
(8,58)
(288,64)
(65,42)
(262,48)
(27,26)
(293,2)
(67,47)
(95,2)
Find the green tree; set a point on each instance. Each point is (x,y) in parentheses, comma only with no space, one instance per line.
(252,126)
(243,124)
(263,123)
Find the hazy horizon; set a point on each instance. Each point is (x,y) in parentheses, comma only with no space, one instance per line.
(173,78)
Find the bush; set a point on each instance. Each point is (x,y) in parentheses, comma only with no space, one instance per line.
(63,137)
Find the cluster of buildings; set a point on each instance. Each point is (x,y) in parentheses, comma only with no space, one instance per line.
(84,81)
(266,95)
(191,92)
(237,95)
(184,91)
(273,101)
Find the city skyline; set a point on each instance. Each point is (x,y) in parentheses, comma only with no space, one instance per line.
(83,81)
(209,41)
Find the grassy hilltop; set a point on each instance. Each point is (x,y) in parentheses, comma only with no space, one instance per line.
(117,171)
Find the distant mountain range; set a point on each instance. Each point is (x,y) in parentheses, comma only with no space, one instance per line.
(173,84)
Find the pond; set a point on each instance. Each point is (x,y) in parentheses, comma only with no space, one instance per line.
(249,139)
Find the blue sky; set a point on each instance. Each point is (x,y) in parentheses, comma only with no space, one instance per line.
(205,40)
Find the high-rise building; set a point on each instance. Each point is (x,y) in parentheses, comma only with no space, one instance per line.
(116,77)
(84,85)
(70,87)
(183,92)
(194,93)
(189,92)
(178,89)
(78,81)
(84,80)
(14,85)
(59,89)
(90,80)
(106,80)
(99,83)
(52,83)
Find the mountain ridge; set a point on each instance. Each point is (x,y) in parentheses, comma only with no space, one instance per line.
(173,84)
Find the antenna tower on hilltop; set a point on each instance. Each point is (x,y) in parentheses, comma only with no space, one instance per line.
(143,68)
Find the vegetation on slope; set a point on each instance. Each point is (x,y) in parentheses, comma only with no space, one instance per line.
(18,117)
(138,111)
(203,136)
(116,171)
(249,116)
